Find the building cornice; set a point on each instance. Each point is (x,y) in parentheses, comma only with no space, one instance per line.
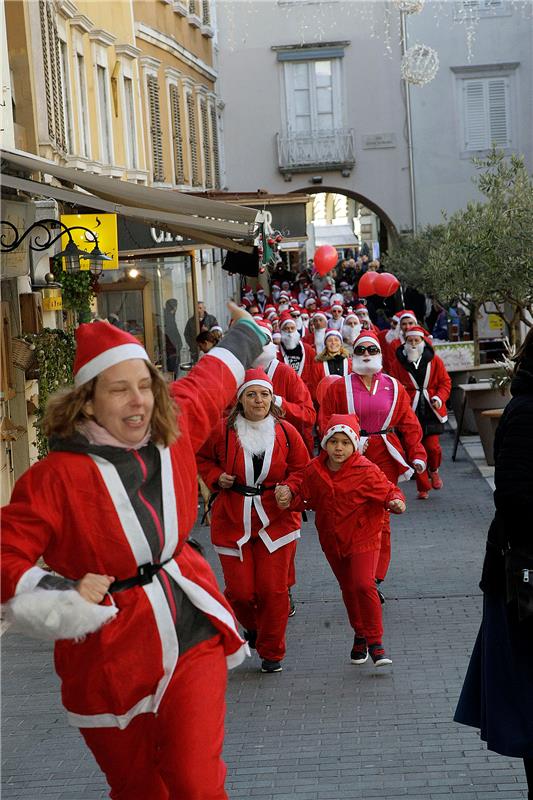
(172,74)
(148,62)
(492,68)
(66,8)
(82,22)
(127,50)
(170,45)
(99,36)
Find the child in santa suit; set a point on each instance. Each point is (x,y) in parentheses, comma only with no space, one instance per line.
(350,495)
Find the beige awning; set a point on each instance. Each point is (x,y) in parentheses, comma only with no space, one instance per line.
(212,222)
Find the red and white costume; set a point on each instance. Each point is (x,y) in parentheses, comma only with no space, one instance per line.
(75,510)
(387,419)
(425,381)
(350,507)
(292,395)
(305,366)
(253,537)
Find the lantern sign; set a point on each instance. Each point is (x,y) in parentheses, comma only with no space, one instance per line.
(103,247)
(419,65)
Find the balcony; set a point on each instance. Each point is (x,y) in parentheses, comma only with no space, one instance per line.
(319,150)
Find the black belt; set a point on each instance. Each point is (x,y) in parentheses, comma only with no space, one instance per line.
(376,433)
(145,574)
(249,491)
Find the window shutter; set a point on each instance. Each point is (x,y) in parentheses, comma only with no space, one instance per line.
(208,161)
(47,88)
(193,141)
(156,138)
(214,139)
(498,112)
(53,75)
(193,7)
(206,12)
(474,115)
(60,120)
(177,141)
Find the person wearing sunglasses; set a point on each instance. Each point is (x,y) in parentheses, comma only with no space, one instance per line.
(390,430)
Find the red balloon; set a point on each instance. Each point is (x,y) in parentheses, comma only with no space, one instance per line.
(325,259)
(323,387)
(386,284)
(367,284)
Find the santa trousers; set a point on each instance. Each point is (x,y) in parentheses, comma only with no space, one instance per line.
(434,453)
(391,468)
(256,588)
(355,574)
(175,754)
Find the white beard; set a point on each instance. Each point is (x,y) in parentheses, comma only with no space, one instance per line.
(299,324)
(283,307)
(369,367)
(290,340)
(392,334)
(413,353)
(350,334)
(320,336)
(255,437)
(267,355)
(336,324)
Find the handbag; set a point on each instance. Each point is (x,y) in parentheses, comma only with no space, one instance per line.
(519,581)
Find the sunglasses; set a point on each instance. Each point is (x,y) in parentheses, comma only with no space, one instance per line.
(372,350)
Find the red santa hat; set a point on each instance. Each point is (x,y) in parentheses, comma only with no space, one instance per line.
(342,423)
(100,345)
(246,303)
(337,306)
(319,314)
(310,301)
(361,308)
(295,310)
(333,332)
(284,318)
(406,314)
(367,337)
(255,377)
(416,330)
(351,315)
(266,327)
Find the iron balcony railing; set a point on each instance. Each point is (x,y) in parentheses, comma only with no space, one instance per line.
(326,150)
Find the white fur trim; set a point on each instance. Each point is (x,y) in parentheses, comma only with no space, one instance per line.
(115,355)
(333,332)
(419,462)
(257,382)
(278,400)
(439,401)
(231,361)
(350,433)
(274,544)
(51,614)
(255,437)
(29,580)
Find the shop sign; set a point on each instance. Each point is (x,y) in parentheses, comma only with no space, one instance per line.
(52,299)
(104,227)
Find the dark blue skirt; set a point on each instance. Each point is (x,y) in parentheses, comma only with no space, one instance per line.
(497,695)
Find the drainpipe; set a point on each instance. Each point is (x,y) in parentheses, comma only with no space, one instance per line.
(403,22)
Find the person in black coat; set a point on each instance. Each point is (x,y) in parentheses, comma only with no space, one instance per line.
(497,695)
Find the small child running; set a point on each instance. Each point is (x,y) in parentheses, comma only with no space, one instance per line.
(350,495)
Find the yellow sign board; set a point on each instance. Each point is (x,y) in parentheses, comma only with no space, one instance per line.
(52,299)
(495,322)
(104,228)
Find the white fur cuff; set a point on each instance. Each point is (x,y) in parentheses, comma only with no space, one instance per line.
(52,614)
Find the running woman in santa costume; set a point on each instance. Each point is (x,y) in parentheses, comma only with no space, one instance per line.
(390,431)
(292,351)
(144,636)
(423,374)
(245,460)
(350,495)
(332,360)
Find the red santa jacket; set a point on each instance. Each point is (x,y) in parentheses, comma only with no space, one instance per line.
(434,382)
(321,369)
(235,517)
(349,503)
(398,442)
(72,509)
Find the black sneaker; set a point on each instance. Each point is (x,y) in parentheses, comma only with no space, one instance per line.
(379,656)
(380,593)
(359,654)
(270,666)
(250,637)
(292,605)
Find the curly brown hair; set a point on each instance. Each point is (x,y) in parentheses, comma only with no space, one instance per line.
(325,356)
(65,410)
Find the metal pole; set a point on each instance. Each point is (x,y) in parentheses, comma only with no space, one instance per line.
(409,126)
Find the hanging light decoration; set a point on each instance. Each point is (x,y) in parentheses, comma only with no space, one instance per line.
(419,64)
(409,6)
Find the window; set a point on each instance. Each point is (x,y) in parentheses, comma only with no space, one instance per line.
(193,141)
(206,12)
(313,96)
(208,161)
(82,106)
(52,75)
(156,137)
(106,154)
(177,134)
(486,113)
(67,104)
(131,127)
(214,139)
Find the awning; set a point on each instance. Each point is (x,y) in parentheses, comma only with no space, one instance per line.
(336,235)
(214,222)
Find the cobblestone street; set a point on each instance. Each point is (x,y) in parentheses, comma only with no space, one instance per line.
(322,729)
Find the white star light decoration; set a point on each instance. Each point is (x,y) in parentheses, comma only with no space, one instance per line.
(419,65)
